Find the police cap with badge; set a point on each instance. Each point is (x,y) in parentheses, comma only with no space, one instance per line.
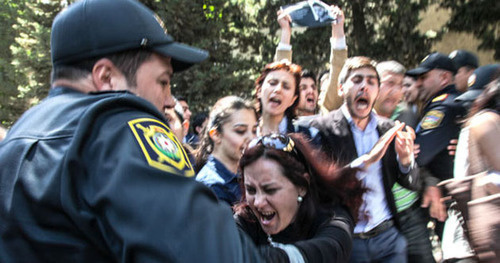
(433,61)
(464,58)
(95,28)
(478,81)
(92,29)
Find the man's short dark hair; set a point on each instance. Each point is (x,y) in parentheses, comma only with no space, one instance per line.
(128,62)
(181,98)
(198,120)
(308,74)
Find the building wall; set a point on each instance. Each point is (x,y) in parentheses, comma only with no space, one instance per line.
(435,18)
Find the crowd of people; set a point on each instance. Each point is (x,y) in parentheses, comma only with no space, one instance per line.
(349,165)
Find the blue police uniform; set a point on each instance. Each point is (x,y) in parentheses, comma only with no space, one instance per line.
(101,178)
(440,123)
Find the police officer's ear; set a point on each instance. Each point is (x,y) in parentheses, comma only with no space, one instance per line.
(445,77)
(106,76)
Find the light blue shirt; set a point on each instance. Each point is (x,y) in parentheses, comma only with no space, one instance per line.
(374,205)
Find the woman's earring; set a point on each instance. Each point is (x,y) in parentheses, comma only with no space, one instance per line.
(299,199)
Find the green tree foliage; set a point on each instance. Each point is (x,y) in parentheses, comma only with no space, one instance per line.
(28,64)
(480,17)
(224,29)
(241,36)
(9,108)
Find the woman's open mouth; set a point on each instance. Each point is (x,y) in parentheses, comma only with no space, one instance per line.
(266,217)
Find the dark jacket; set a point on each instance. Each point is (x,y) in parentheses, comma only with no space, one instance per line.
(101,178)
(337,141)
(439,124)
(328,239)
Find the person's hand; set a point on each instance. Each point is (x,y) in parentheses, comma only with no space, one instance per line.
(379,149)
(416,150)
(338,26)
(452,147)
(404,145)
(432,196)
(284,21)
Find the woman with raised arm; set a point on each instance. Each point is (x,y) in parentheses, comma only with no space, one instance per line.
(276,93)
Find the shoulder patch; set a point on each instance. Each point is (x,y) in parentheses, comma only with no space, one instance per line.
(160,147)
(440,98)
(432,119)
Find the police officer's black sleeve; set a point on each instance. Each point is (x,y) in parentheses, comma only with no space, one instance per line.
(330,242)
(140,212)
(434,140)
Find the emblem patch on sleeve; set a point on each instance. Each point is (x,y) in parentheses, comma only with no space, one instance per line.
(432,119)
(160,146)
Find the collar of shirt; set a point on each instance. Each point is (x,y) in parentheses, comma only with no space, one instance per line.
(372,124)
(222,170)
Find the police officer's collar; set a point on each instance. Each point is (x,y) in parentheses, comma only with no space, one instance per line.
(450,89)
(59,90)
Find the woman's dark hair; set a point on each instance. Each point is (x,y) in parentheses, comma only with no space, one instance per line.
(220,114)
(294,69)
(327,185)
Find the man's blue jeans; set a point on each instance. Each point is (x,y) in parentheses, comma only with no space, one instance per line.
(388,246)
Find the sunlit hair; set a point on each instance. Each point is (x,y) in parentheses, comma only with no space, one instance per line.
(391,66)
(327,184)
(355,63)
(286,65)
(220,114)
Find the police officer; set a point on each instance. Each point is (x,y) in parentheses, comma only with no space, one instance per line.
(465,62)
(92,173)
(438,125)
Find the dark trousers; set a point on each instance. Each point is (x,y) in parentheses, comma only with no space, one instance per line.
(388,246)
(413,223)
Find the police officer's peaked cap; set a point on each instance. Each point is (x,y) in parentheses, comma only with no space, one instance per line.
(479,80)
(463,58)
(96,28)
(433,61)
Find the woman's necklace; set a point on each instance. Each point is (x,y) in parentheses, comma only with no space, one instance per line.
(270,240)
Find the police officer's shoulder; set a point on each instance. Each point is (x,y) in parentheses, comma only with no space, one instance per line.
(144,128)
(441,107)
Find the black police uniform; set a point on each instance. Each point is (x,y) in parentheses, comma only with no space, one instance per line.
(440,123)
(101,178)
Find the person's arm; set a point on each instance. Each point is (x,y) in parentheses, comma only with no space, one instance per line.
(133,191)
(332,241)
(284,49)
(328,98)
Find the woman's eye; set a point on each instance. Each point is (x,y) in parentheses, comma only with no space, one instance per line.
(271,191)
(250,190)
(240,132)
